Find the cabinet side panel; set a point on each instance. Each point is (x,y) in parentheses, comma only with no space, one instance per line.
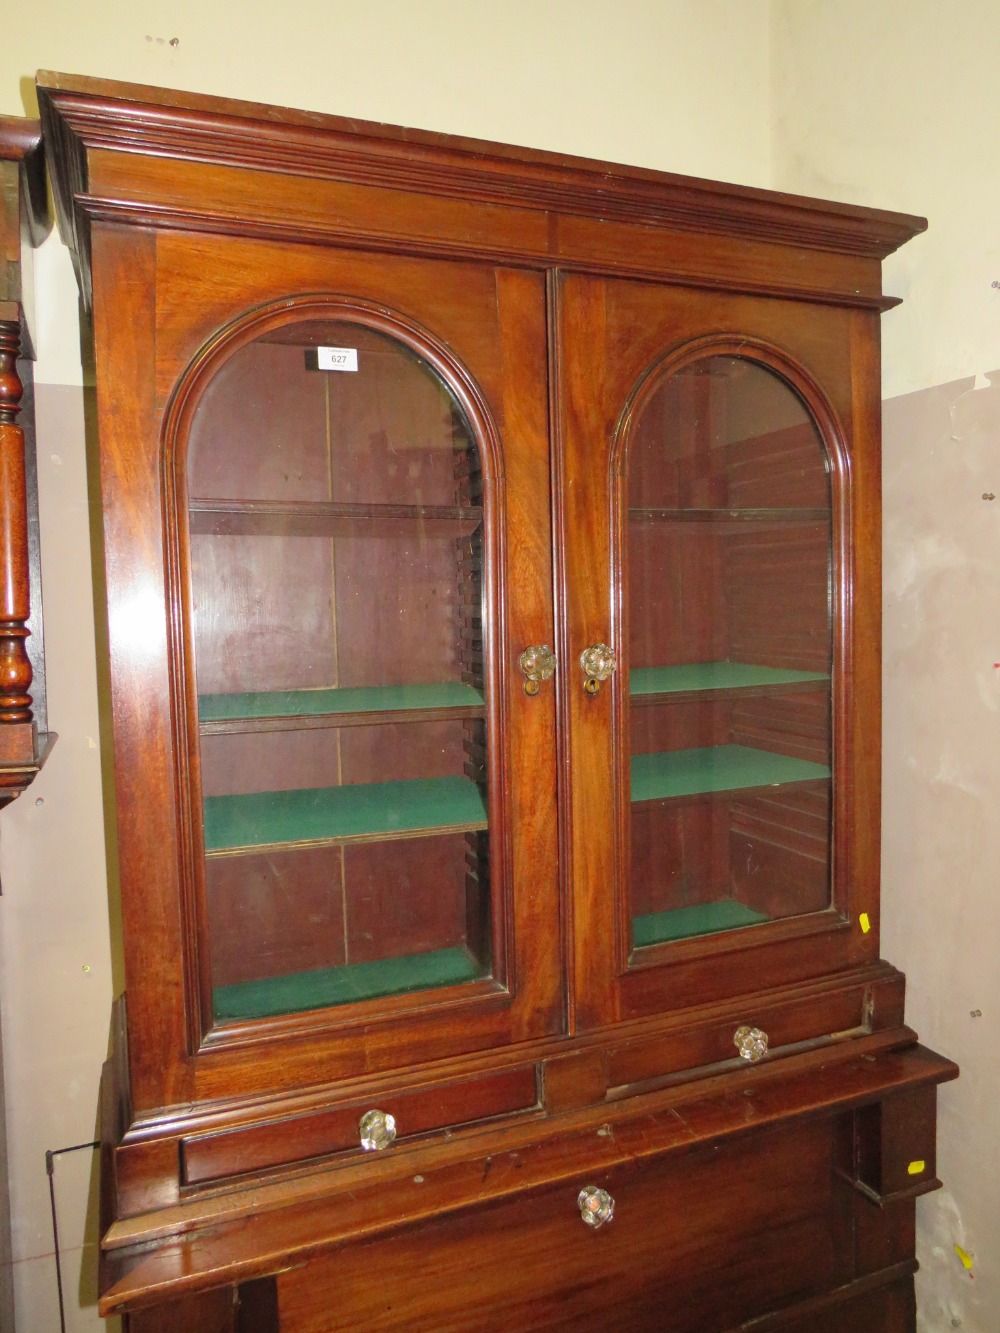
(124,318)
(863,702)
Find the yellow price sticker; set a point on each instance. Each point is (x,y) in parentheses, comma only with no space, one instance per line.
(917,1168)
(865,923)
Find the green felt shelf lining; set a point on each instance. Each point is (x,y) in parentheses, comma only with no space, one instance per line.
(317,815)
(343,985)
(322,815)
(688,678)
(701,919)
(350,699)
(717,768)
(694,677)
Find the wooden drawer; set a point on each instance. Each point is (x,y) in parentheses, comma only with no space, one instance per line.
(216,1156)
(790,1025)
(888,1307)
(697,1244)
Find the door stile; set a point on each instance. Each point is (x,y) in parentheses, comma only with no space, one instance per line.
(528,720)
(584,428)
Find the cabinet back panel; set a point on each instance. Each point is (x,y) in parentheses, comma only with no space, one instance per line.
(678,855)
(275,913)
(777,590)
(286,912)
(676,607)
(405,897)
(263,612)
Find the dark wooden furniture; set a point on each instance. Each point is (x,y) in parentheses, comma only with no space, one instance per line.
(24,223)
(492,564)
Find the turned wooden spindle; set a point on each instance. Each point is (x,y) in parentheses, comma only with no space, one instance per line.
(16,720)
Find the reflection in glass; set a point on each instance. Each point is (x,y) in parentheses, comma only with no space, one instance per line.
(729,554)
(336,587)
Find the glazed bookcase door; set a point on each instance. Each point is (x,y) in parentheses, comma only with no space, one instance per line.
(337,559)
(717,510)
(354,755)
(726,564)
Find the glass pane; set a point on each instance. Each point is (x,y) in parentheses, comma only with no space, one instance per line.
(335,506)
(729,619)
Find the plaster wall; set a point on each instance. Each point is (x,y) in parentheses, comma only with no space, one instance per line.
(895,104)
(676,84)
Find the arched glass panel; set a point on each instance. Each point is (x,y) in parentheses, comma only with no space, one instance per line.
(336,589)
(729,615)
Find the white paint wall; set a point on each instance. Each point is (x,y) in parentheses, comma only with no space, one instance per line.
(676,84)
(895,103)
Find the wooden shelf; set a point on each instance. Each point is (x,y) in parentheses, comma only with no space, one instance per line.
(344,985)
(364,705)
(324,816)
(321,518)
(681,923)
(280,710)
(770,516)
(649,684)
(714,769)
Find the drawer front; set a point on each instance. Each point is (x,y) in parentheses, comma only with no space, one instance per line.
(696,1244)
(786,1025)
(206,1158)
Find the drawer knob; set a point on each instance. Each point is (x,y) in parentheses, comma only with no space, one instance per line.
(538,663)
(377,1130)
(598,662)
(750,1042)
(596,1205)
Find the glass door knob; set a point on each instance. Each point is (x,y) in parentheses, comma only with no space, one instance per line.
(750,1042)
(598,662)
(377,1130)
(596,1205)
(538,663)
